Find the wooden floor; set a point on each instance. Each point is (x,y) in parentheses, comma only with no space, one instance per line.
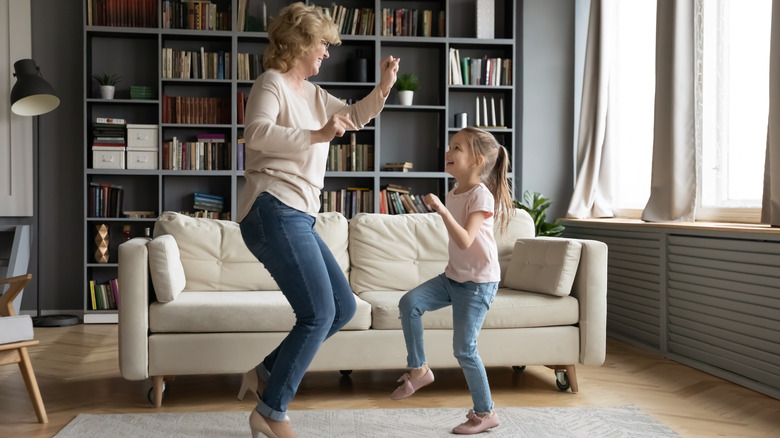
(77,370)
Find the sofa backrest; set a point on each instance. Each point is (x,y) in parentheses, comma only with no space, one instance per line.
(398,252)
(215,257)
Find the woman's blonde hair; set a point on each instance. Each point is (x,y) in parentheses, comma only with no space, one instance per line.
(495,166)
(297,30)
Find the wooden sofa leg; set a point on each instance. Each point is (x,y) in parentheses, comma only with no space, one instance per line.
(158,386)
(572,372)
(25,366)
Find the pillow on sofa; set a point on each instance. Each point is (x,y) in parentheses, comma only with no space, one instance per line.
(165,268)
(544,264)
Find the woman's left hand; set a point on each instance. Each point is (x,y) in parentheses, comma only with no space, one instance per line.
(389,68)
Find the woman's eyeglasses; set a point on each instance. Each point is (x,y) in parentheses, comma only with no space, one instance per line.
(326,44)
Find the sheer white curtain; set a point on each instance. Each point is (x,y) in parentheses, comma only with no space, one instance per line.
(770,210)
(593,188)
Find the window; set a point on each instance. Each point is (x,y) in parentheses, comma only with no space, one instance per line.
(734,98)
(633,102)
(735,106)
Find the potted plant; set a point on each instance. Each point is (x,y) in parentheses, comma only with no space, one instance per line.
(406,84)
(107,83)
(536,205)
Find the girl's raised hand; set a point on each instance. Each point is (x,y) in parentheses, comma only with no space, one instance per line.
(433,201)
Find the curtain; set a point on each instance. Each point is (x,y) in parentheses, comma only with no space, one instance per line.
(770,208)
(675,155)
(592,195)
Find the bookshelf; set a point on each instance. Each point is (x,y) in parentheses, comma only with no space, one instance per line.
(418,133)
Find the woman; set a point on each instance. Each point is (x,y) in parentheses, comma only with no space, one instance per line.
(288,127)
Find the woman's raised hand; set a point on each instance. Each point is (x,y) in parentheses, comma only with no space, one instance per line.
(389,69)
(336,127)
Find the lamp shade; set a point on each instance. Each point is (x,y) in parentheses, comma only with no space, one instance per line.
(31,95)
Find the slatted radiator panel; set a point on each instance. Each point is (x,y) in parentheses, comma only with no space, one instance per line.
(633,282)
(724,305)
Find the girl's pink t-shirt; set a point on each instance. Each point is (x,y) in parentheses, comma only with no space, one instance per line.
(479,262)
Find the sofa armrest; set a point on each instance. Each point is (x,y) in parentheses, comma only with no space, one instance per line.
(590,289)
(134,298)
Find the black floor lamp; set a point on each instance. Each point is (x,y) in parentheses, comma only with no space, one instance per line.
(33,96)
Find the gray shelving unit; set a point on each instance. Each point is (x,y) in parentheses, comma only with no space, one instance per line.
(418,133)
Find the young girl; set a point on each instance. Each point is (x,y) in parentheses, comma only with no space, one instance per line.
(470,280)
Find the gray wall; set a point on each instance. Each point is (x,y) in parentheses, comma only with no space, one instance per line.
(547,33)
(57,48)
(548,99)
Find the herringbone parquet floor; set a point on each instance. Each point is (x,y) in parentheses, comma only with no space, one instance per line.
(77,370)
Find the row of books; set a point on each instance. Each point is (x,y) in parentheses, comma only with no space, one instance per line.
(250,66)
(206,153)
(225,216)
(195,64)
(412,22)
(122,13)
(196,110)
(479,71)
(352,21)
(104,296)
(351,157)
(109,132)
(349,201)
(104,200)
(196,15)
(394,199)
(207,202)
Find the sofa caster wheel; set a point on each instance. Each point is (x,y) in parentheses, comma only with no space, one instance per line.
(562,380)
(345,372)
(518,369)
(150,394)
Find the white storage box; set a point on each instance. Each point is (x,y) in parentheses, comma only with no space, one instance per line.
(141,136)
(142,158)
(108,157)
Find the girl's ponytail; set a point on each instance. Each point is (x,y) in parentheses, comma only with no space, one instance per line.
(498,185)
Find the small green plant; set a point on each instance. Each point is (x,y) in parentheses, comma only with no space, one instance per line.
(407,82)
(536,205)
(106,78)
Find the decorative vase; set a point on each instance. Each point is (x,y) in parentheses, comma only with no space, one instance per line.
(406,97)
(107,91)
(101,243)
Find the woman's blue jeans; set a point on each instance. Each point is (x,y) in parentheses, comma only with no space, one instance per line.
(470,302)
(284,240)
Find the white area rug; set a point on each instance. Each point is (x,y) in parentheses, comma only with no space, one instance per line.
(627,421)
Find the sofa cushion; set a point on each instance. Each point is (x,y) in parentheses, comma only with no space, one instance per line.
(219,312)
(215,257)
(165,268)
(15,328)
(545,265)
(399,252)
(510,309)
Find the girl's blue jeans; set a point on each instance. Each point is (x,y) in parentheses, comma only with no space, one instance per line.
(284,240)
(470,302)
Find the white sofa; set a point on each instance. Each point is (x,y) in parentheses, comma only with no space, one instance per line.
(194,300)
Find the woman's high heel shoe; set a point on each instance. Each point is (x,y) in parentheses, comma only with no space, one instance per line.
(250,382)
(259,426)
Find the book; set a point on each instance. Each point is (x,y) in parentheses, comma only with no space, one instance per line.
(110,121)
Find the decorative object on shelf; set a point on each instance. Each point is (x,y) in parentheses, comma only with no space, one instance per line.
(358,68)
(536,205)
(461,120)
(487,118)
(101,243)
(486,17)
(406,84)
(107,83)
